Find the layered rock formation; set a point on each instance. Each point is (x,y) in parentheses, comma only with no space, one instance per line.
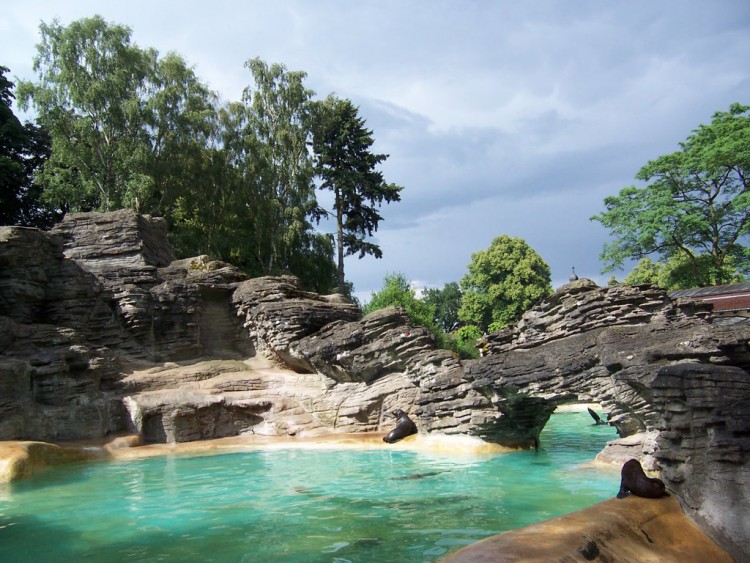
(103,332)
(702,446)
(673,382)
(603,345)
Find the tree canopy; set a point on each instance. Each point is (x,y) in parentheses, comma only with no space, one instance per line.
(131,128)
(23,150)
(677,273)
(274,164)
(90,99)
(503,282)
(447,302)
(695,209)
(347,167)
(397,292)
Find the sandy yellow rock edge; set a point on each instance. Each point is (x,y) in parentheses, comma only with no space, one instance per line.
(629,529)
(22,459)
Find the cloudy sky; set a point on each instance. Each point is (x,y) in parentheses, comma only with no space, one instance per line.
(500,117)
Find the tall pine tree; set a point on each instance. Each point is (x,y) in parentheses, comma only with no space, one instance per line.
(346,165)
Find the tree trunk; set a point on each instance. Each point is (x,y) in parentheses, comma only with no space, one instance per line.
(340,243)
(340,249)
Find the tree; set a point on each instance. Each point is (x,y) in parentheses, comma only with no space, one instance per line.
(224,218)
(464,341)
(503,282)
(397,292)
(276,167)
(678,272)
(90,100)
(132,129)
(447,302)
(13,141)
(208,219)
(23,150)
(695,208)
(647,272)
(180,117)
(346,165)
(128,128)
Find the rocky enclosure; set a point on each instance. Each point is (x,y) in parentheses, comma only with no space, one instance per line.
(103,332)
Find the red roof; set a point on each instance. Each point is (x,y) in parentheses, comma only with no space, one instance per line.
(728,302)
(724,298)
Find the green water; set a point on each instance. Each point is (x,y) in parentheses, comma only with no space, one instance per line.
(301,505)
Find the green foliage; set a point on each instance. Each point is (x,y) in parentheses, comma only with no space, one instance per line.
(130,128)
(447,302)
(397,292)
(90,101)
(497,325)
(23,150)
(503,282)
(466,339)
(269,169)
(342,143)
(180,115)
(695,208)
(276,167)
(678,272)
(647,272)
(312,261)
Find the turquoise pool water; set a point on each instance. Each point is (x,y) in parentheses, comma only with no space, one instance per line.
(301,505)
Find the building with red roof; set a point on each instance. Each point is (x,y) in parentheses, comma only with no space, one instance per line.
(732,300)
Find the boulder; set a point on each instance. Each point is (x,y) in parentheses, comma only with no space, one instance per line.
(631,529)
(115,241)
(276,311)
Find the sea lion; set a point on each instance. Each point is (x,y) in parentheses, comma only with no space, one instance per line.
(416,476)
(596,418)
(635,481)
(404,427)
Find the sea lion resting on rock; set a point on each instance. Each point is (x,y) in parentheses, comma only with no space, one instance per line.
(404,427)
(635,481)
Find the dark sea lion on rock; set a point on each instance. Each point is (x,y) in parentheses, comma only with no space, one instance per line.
(635,481)
(404,427)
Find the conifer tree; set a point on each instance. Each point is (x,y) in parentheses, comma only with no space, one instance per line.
(347,167)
